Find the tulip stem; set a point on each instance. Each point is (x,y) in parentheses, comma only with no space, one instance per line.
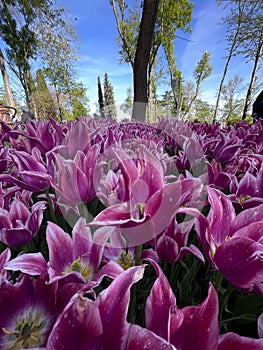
(218,281)
(138,254)
(132,308)
(51,209)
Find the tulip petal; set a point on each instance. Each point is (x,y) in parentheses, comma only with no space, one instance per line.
(60,247)
(246,217)
(15,237)
(230,341)
(31,263)
(253,231)
(77,327)
(115,215)
(159,305)
(220,216)
(240,260)
(113,306)
(167,249)
(260,326)
(140,339)
(164,204)
(101,235)
(81,237)
(199,329)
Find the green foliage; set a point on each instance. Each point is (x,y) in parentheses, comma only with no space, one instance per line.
(128,103)
(110,108)
(203,111)
(233,106)
(201,72)
(172,15)
(15,20)
(43,98)
(203,69)
(76,101)
(244,37)
(249,24)
(166,105)
(38,29)
(58,62)
(3,99)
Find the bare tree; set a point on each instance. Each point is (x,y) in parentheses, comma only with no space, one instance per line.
(258,56)
(233,21)
(244,25)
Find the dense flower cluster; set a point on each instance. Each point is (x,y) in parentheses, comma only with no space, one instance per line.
(131,235)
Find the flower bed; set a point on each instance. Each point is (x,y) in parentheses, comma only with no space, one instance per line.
(131,235)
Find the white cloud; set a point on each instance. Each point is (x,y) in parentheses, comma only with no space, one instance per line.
(100,65)
(207,35)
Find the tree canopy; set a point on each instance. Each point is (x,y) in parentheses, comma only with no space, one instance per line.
(37,30)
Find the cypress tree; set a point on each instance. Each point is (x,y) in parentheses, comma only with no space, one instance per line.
(110,108)
(101,99)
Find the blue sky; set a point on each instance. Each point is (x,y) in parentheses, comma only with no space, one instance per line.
(96,28)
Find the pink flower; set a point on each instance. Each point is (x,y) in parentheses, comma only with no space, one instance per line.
(20,221)
(142,218)
(193,326)
(233,243)
(101,324)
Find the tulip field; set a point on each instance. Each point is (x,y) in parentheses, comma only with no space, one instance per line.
(131,236)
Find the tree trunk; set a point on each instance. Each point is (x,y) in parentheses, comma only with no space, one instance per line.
(253,76)
(8,91)
(142,56)
(232,50)
(149,110)
(193,98)
(223,78)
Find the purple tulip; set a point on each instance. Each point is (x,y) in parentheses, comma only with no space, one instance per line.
(32,264)
(28,312)
(216,176)
(193,326)
(75,178)
(4,258)
(80,137)
(101,324)
(172,246)
(224,148)
(233,243)
(142,175)
(116,251)
(4,159)
(247,162)
(40,134)
(78,258)
(73,260)
(247,192)
(20,221)
(143,218)
(31,172)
